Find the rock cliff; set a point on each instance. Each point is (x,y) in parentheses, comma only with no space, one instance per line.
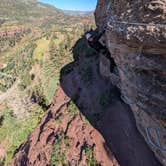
(76,141)
(136,39)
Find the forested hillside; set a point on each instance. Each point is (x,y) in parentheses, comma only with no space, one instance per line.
(35,43)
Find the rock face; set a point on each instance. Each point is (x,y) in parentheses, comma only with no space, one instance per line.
(74,133)
(101,13)
(136,39)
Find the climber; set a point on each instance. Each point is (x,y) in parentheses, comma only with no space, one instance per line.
(93,38)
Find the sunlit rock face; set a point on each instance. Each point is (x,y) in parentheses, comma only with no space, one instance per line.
(136,39)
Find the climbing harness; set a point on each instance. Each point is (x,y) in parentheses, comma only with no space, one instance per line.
(156,145)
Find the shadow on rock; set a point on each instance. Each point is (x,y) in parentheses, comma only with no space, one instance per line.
(100,103)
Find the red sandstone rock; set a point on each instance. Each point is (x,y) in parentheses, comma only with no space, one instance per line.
(38,148)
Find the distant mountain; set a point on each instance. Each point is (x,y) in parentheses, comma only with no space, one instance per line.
(32,12)
(78,13)
(27,11)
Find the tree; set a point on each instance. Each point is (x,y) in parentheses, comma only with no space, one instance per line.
(52,49)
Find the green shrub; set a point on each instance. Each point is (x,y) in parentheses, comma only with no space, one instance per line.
(49,79)
(58,157)
(2,163)
(59,119)
(16,131)
(25,80)
(39,97)
(90,159)
(20,65)
(72,109)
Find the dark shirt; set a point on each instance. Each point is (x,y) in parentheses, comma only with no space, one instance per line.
(95,42)
(96,45)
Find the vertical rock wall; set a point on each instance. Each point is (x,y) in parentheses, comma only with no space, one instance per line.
(136,39)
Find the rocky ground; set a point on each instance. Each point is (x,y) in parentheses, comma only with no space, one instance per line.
(135,37)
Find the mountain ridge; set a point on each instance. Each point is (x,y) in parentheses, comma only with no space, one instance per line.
(77,12)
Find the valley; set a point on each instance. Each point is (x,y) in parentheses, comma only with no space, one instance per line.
(35,44)
(67,99)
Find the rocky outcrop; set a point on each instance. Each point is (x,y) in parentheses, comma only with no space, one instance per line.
(77,134)
(101,13)
(136,39)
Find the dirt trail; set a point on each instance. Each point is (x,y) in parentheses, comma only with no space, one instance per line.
(116,123)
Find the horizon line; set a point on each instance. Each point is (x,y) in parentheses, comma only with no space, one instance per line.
(74,10)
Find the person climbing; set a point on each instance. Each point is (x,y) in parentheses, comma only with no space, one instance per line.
(93,39)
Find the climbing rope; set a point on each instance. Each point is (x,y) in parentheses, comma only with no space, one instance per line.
(108,11)
(135,23)
(156,145)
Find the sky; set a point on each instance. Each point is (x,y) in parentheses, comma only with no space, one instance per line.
(81,5)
